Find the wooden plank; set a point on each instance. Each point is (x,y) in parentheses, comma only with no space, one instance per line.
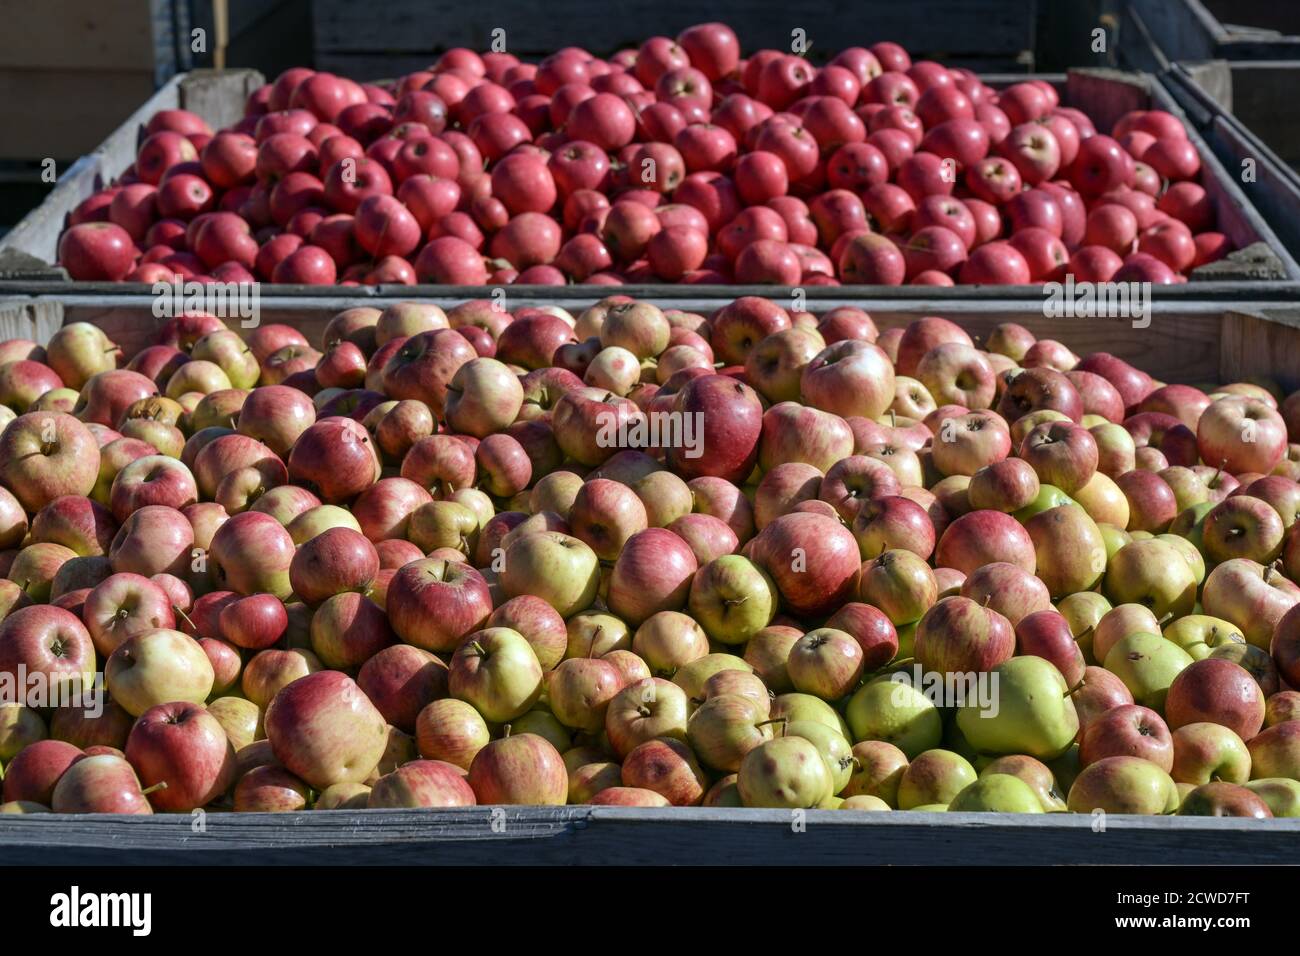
(926,27)
(88,106)
(1182,344)
(689,836)
(1182,29)
(1264,99)
(1253,345)
(111,35)
(1270,15)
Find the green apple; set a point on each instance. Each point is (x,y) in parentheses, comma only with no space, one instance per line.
(1121,621)
(897,713)
(558,568)
(732,599)
(1199,634)
(691,677)
(595,633)
(1194,558)
(1113,538)
(1151,572)
(864,802)
(877,770)
(795,706)
(227,350)
(724,729)
(901,584)
(1280,793)
(1049,496)
(1083,610)
(1147,664)
(1034,714)
(1035,774)
(314,521)
(786,773)
(996,793)
(1190,523)
(1205,752)
(830,744)
(935,776)
(545,725)
(1124,785)
(1066,768)
(497,672)
(931,808)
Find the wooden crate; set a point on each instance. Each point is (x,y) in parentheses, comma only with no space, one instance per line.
(1249,131)
(351,38)
(1187,341)
(1191,30)
(1261,267)
(70,70)
(627,836)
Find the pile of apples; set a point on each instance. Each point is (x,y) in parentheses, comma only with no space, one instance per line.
(413,569)
(678,161)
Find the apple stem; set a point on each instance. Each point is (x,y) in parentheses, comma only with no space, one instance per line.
(186,618)
(505,731)
(783,721)
(160,785)
(1169,616)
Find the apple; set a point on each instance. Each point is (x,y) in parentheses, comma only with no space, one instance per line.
(270,789)
(1123,784)
(450,730)
(934,777)
(34,772)
(1209,751)
(123,605)
(784,773)
(1249,596)
(897,714)
(102,783)
(1275,752)
(519,769)
(1035,715)
(49,641)
(496,671)
(1216,691)
(44,455)
(323,729)
(158,666)
(434,603)
(1242,434)
(183,746)
(826,663)
(421,783)
(250,553)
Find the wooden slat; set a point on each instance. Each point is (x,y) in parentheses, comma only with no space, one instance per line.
(76,35)
(1184,342)
(78,109)
(687,836)
(1252,345)
(1265,100)
(937,27)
